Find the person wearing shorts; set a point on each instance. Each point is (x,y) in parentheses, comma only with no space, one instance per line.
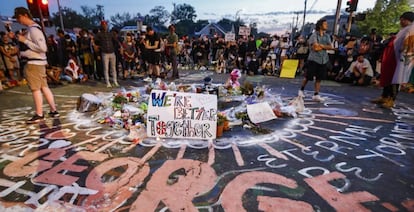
(318,59)
(35,50)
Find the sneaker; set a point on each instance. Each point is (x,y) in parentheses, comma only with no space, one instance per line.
(301,93)
(53,113)
(318,98)
(116,84)
(108,85)
(148,79)
(35,119)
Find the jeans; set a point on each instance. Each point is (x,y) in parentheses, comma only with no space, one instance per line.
(109,58)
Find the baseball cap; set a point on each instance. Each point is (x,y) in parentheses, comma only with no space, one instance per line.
(21,11)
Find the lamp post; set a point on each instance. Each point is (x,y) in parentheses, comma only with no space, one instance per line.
(60,15)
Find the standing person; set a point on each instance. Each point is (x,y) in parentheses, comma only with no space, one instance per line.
(152,44)
(85,53)
(403,61)
(172,46)
(35,69)
(129,54)
(318,58)
(105,43)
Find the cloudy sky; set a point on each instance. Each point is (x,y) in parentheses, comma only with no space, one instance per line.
(270,15)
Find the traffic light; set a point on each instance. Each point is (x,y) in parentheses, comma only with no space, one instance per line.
(37,7)
(351,5)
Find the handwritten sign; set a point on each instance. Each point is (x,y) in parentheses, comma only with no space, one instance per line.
(181,115)
(230,37)
(260,112)
(244,30)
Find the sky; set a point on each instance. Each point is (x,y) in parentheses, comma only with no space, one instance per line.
(270,15)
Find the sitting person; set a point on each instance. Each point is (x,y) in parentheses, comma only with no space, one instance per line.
(267,66)
(73,73)
(221,65)
(253,66)
(361,71)
(53,74)
(233,81)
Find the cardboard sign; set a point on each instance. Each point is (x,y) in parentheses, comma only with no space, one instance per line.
(230,37)
(260,112)
(244,30)
(181,115)
(289,68)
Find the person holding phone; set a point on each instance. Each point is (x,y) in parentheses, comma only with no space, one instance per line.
(35,69)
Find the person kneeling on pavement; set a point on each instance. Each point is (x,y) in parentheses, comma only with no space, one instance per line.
(361,72)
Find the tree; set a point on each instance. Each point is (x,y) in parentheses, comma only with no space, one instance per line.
(384,16)
(71,19)
(126,19)
(159,15)
(183,12)
(94,15)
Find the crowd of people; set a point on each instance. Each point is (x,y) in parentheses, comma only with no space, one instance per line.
(103,54)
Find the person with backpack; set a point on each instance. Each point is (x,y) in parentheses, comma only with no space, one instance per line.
(35,50)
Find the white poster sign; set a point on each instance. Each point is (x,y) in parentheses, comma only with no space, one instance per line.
(260,112)
(230,37)
(181,115)
(244,30)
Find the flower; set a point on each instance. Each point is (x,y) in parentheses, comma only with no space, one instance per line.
(221,118)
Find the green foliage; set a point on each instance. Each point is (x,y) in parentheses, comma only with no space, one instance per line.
(183,15)
(90,18)
(384,16)
(183,12)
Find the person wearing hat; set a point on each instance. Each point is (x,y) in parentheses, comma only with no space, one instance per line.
(35,69)
(105,41)
(402,62)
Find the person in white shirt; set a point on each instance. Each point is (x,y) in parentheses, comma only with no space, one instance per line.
(361,71)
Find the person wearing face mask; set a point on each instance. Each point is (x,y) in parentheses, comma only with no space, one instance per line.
(267,66)
(69,48)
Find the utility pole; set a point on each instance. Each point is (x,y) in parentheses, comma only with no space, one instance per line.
(348,28)
(60,15)
(337,17)
(304,16)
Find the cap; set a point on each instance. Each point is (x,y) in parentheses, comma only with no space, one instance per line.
(408,16)
(103,22)
(21,11)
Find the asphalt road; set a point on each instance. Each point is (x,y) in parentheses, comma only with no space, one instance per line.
(345,154)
